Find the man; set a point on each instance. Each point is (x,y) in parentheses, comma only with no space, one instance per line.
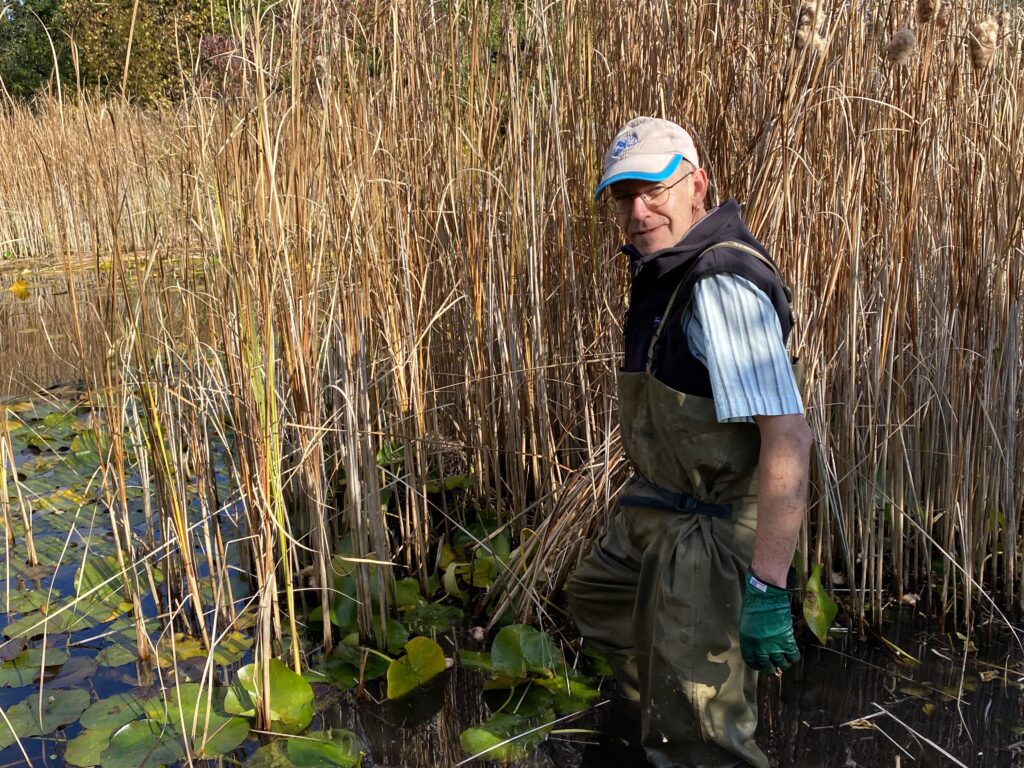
(688,591)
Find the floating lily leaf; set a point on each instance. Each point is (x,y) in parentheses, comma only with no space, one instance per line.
(195,710)
(487,740)
(433,617)
(29,719)
(25,667)
(272,755)
(819,607)
(142,744)
(397,635)
(451,582)
(25,600)
(73,673)
(520,648)
(336,747)
(36,624)
(116,656)
(291,697)
(573,692)
(526,701)
(112,712)
(407,593)
(424,660)
(336,672)
(477,660)
(372,665)
(9,649)
(86,749)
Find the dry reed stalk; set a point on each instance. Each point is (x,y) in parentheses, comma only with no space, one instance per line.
(405,252)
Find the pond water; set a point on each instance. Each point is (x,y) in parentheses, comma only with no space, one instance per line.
(941,700)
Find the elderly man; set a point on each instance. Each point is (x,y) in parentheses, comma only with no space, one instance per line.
(689,589)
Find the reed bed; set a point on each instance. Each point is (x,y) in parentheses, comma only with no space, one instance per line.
(387,211)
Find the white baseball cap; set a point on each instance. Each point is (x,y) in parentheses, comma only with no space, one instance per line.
(649,149)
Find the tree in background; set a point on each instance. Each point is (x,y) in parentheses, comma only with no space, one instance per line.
(158,32)
(32,39)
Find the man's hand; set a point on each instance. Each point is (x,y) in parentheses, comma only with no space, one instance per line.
(766,627)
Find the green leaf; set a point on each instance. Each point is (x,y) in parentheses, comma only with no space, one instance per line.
(86,749)
(407,593)
(520,648)
(483,740)
(290,696)
(336,747)
(397,635)
(143,744)
(58,708)
(819,607)
(25,667)
(424,660)
(477,660)
(112,712)
(451,582)
(116,656)
(433,617)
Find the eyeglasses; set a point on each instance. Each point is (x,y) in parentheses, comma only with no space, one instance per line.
(653,197)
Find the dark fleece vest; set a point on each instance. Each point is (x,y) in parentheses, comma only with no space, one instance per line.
(656,276)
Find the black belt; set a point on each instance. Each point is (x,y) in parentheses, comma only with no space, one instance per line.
(677,502)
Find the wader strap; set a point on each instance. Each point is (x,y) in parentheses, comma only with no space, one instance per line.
(735,244)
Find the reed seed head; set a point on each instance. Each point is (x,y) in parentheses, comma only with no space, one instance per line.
(927,10)
(983,38)
(809,22)
(900,46)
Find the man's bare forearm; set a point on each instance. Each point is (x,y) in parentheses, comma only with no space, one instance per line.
(781,494)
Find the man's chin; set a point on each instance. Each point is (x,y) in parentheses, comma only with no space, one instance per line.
(650,241)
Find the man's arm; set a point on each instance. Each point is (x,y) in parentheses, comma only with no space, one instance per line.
(781,493)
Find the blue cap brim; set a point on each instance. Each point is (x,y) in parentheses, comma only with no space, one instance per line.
(661,175)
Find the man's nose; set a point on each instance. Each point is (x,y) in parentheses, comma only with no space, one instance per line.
(638,208)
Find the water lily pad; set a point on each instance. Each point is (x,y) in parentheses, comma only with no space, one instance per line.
(433,617)
(336,747)
(290,696)
(362,659)
(520,648)
(36,624)
(26,600)
(477,660)
(73,673)
(819,607)
(407,593)
(142,744)
(195,710)
(24,669)
(29,719)
(487,739)
(86,749)
(112,712)
(116,656)
(424,660)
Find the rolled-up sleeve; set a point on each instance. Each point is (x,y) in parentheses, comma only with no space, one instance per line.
(734,330)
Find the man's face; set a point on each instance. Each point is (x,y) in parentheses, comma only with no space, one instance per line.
(651,227)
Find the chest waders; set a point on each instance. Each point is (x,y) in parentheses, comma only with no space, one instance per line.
(661,591)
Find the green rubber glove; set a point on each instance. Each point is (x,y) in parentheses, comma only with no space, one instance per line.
(766,627)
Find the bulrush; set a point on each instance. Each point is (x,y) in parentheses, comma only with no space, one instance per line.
(983,38)
(927,10)
(808,26)
(899,48)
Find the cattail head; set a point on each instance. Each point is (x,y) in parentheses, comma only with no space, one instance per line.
(927,10)
(809,21)
(983,38)
(900,46)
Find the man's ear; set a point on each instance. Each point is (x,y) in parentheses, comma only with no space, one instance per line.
(700,187)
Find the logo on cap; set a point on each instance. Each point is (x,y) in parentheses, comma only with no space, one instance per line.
(624,144)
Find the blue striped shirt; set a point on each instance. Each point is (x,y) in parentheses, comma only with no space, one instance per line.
(733,329)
